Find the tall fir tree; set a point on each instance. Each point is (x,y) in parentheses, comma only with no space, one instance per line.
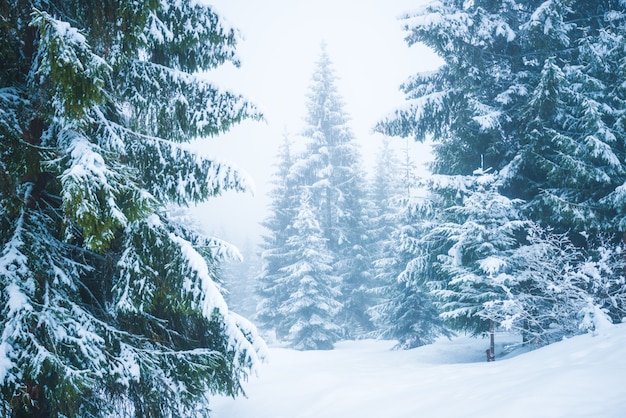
(535,88)
(331,169)
(405,310)
(387,192)
(384,205)
(108,305)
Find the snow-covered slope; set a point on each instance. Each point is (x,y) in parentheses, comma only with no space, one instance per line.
(581,377)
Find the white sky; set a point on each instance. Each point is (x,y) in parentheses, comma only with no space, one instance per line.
(279,47)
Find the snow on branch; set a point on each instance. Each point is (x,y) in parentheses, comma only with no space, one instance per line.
(179,106)
(242,335)
(91,190)
(64,60)
(174,173)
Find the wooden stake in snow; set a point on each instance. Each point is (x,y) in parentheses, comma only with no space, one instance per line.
(491,351)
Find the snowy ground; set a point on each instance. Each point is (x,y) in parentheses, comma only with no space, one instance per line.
(581,377)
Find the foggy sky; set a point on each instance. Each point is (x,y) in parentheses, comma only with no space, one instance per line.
(279,47)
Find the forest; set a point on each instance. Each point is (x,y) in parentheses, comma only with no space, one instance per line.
(114,304)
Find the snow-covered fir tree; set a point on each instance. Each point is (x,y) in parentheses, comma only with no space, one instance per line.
(272,286)
(331,169)
(387,194)
(478,234)
(109,306)
(384,205)
(534,87)
(485,264)
(403,310)
(536,90)
(310,310)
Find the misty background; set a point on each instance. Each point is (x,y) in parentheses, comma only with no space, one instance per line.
(280,42)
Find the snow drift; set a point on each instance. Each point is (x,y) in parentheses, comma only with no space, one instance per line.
(578,377)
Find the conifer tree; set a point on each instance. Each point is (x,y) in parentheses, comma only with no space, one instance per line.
(272,286)
(109,306)
(479,235)
(403,310)
(331,169)
(487,265)
(387,194)
(311,308)
(533,89)
(383,208)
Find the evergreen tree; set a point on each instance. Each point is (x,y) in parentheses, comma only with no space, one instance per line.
(403,310)
(311,307)
(479,235)
(387,194)
(331,169)
(535,88)
(384,206)
(485,264)
(110,306)
(272,286)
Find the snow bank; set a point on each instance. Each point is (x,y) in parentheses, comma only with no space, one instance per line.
(579,377)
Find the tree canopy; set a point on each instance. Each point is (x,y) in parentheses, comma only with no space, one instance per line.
(535,92)
(110,306)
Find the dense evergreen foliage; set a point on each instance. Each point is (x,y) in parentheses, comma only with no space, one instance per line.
(109,306)
(479,234)
(403,310)
(534,90)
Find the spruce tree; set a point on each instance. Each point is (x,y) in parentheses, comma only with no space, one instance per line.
(479,235)
(384,205)
(403,310)
(535,90)
(109,305)
(272,287)
(331,169)
(311,308)
(387,195)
